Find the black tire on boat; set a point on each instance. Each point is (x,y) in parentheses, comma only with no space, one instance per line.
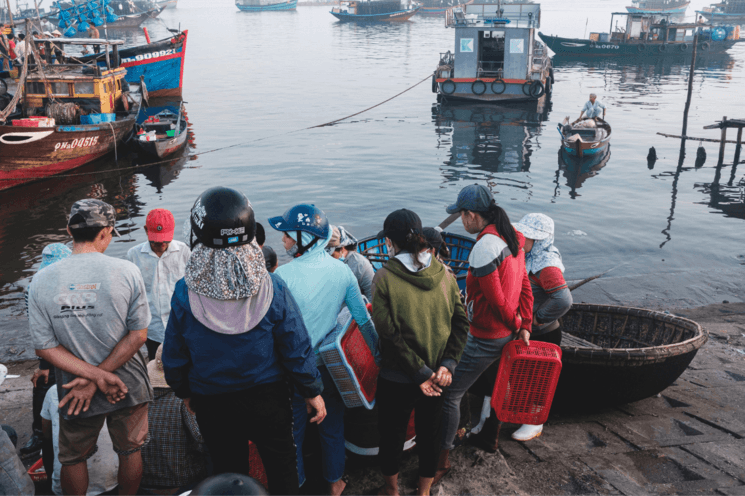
(705,46)
(498,87)
(551,75)
(536,89)
(641,47)
(481,87)
(549,85)
(3,87)
(526,88)
(684,47)
(662,48)
(434,84)
(448,84)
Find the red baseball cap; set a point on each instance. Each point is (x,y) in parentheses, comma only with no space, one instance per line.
(160,225)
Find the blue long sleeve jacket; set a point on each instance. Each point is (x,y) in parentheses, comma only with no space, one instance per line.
(199,360)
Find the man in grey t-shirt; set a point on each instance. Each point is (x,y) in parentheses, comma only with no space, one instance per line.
(89,318)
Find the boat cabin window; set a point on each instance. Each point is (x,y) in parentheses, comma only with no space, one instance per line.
(84,88)
(34,88)
(118,84)
(60,89)
(491,53)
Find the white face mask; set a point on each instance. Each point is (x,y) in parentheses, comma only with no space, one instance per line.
(391,249)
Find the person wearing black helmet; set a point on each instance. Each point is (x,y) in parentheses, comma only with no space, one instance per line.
(234,335)
(321,285)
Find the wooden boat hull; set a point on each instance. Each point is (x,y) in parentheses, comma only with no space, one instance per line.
(399,16)
(625,365)
(495,90)
(164,147)
(287,5)
(722,18)
(588,48)
(161,63)
(581,148)
(31,153)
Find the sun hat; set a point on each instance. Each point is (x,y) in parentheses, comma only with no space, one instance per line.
(535,226)
(155,370)
(345,237)
(333,244)
(53,252)
(476,198)
(160,226)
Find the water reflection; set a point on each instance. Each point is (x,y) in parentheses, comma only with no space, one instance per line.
(729,198)
(485,140)
(578,170)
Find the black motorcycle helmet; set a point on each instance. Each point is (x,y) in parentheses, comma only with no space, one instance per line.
(222,217)
(229,484)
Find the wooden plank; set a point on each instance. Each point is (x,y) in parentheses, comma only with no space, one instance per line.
(575,342)
(693,138)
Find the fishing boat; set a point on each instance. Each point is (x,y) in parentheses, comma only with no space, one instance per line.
(169,4)
(497,57)
(727,11)
(646,35)
(262,5)
(70,115)
(160,63)
(584,137)
(658,6)
(374,11)
(613,355)
(160,131)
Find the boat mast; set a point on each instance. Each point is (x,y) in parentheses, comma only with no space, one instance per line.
(10,15)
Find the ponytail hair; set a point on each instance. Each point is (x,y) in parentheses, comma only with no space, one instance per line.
(497,216)
(414,243)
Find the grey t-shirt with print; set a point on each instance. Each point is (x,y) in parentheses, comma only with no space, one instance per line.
(88,303)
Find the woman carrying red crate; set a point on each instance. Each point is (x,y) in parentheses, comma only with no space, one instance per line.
(422,327)
(499,300)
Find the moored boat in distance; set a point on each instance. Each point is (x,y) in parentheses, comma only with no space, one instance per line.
(374,11)
(437,8)
(263,5)
(647,35)
(70,115)
(497,57)
(727,11)
(583,138)
(658,6)
(161,131)
(169,4)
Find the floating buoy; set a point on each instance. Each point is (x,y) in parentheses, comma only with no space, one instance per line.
(651,158)
(700,155)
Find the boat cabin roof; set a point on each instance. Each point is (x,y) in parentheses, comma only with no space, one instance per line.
(73,73)
(503,15)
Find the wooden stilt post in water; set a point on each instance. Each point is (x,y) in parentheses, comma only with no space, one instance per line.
(738,147)
(690,85)
(724,139)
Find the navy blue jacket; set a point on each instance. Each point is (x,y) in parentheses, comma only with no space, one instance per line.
(201,361)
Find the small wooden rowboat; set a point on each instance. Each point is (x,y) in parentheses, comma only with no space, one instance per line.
(161,131)
(614,355)
(460,246)
(611,355)
(585,137)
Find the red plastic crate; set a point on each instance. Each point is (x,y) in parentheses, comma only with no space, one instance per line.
(256,466)
(526,382)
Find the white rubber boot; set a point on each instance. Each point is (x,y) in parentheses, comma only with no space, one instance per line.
(527,432)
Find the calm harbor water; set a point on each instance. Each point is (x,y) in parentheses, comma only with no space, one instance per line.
(257,80)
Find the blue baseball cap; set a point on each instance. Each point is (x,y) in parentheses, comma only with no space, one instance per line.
(475,198)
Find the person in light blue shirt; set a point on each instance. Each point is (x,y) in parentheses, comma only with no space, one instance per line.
(321,285)
(592,108)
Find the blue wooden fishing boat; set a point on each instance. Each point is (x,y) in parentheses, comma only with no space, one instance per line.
(585,137)
(374,11)
(658,6)
(265,5)
(727,11)
(496,56)
(375,250)
(647,35)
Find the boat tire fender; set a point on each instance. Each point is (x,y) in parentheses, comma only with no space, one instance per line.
(434,84)
(526,88)
(662,48)
(641,47)
(551,75)
(448,87)
(705,46)
(536,89)
(593,44)
(478,87)
(684,47)
(498,87)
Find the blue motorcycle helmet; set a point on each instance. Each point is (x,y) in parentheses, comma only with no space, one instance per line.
(303,218)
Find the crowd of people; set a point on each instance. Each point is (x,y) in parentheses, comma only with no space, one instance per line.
(188,351)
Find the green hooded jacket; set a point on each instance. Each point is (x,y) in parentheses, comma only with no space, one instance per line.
(420,320)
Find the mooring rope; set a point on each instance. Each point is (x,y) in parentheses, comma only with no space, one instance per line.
(150,164)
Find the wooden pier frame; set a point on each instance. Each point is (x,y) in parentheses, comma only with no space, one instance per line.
(725,124)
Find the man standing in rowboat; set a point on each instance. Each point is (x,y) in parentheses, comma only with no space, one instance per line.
(592,108)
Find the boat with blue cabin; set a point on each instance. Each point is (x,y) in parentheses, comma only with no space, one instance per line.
(375,11)
(264,5)
(437,8)
(497,57)
(647,35)
(727,11)
(658,6)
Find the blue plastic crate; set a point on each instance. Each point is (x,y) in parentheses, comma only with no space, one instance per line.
(97,118)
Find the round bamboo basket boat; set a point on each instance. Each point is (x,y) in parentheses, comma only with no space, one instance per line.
(613,355)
